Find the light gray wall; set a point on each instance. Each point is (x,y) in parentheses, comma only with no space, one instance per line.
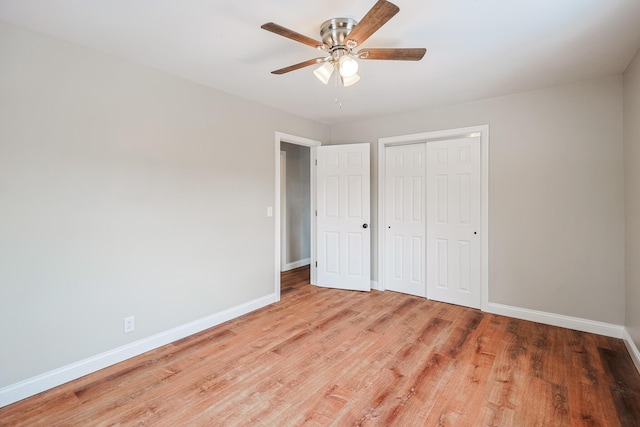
(632,196)
(298,202)
(124,191)
(556,226)
(127,191)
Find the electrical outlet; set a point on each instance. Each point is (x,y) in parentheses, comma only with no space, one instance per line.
(129,324)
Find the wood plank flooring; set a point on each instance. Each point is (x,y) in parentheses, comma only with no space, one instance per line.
(324,357)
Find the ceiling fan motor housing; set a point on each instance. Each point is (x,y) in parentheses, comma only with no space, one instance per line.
(334,32)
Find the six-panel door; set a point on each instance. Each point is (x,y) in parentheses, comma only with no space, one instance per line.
(453,221)
(343,220)
(405,193)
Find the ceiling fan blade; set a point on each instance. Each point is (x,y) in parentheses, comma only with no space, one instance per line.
(379,14)
(401,54)
(298,66)
(290,34)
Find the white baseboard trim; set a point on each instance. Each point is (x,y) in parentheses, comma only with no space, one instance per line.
(296,264)
(375,285)
(579,324)
(633,350)
(48,380)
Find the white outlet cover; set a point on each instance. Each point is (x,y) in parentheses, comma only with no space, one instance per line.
(129,324)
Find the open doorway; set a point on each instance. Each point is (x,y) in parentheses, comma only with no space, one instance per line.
(310,146)
(295,206)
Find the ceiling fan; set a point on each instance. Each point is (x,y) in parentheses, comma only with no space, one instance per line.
(340,37)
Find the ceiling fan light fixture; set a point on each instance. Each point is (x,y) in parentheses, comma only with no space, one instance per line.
(348,66)
(340,36)
(323,72)
(348,81)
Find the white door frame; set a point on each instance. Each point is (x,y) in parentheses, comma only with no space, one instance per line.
(306,142)
(472,131)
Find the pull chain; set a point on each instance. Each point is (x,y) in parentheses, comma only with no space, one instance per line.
(337,87)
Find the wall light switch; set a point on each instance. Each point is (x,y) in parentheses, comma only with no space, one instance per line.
(269,211)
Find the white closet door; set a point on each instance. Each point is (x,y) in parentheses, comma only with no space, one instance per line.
(405,195)
(453,221)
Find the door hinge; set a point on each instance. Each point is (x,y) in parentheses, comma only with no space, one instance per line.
(316,264)
(316,162)
(316,212)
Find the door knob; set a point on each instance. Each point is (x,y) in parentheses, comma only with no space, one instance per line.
(365,225)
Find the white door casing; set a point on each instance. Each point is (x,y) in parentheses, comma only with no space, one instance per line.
(453,221)
(343,217)
(405,219)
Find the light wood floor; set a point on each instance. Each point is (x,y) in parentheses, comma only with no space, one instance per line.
(331,357)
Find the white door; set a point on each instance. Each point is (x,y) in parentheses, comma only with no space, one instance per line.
(453,221)
(343,220)
(405,226)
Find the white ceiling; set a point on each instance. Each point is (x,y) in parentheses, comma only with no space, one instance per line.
(475,48)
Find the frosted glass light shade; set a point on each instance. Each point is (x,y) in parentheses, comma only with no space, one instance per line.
(348,81)
(348,66)
(323,72)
